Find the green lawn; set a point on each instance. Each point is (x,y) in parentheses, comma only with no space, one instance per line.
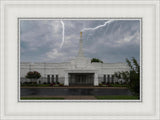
(41,98)
(113,85)
(119,85)
(109,97)
(118,97)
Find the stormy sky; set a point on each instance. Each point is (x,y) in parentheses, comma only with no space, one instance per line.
(42,40)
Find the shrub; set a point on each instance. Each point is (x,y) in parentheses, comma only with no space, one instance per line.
(53,82)
(33,75)
(61,84)
(57,82)
(56,85)
(103,82)
(109,85)
(116,82)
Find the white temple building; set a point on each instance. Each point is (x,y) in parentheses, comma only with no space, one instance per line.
(79,71)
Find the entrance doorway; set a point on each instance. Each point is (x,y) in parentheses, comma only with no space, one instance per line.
(81,79)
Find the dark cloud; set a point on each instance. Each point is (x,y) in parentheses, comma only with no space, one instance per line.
(41,39)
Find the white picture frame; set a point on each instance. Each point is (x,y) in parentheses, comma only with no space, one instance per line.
(148,108)
(72,18)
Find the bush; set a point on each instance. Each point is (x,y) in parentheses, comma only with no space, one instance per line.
(39,82)
(27,83)
(56,85)
(33,76)
(116,82)
(103,82)
(61,84)
(57,82)
(109,85)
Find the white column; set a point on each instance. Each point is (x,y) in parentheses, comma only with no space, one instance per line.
(50,78)
(95,79)
(66,82)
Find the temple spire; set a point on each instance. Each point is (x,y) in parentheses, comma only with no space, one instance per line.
(80,53)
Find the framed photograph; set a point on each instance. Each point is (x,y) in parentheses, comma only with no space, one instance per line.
(80,68)
(79,60)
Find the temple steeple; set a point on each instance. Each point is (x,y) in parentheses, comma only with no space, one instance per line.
(80,53)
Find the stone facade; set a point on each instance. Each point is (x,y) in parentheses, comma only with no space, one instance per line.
(77,71)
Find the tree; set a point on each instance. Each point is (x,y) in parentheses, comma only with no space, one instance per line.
(96,60)
(33,75)
(123,75)
(133,76)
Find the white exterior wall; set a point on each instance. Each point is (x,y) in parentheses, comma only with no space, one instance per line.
(75,65)
(44,69)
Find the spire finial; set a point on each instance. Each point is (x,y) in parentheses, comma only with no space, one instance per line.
(80,53)
(81,34)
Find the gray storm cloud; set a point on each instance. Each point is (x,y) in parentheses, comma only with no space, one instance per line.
(58,40)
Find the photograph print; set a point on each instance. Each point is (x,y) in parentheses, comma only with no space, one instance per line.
(80,59)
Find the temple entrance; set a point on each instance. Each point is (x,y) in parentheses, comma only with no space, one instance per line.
(81,79)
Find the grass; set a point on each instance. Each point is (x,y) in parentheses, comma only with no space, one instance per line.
(118,97)
(109,97)
(41,98)
(119,85)
(113,85)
